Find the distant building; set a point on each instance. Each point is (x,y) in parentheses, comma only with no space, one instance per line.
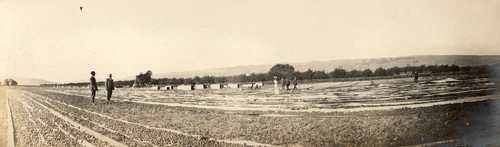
(216,86)
(233,85)
(169,87)
(200,86)
(249,86)
(185,87)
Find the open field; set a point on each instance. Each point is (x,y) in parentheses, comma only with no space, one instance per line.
(359,113)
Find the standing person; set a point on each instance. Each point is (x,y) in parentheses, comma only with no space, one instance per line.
(294,83)
(93,86)
(276,89)
(110,86)
(287,84)
(416,77)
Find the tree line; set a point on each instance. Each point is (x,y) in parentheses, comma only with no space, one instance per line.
(288,71)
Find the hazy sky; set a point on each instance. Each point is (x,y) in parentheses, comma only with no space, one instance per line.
(55,41)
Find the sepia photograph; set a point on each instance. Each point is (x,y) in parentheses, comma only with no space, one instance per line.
(249,73)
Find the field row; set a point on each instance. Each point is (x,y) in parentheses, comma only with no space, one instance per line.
(338,95)
(127,134)
(312,129)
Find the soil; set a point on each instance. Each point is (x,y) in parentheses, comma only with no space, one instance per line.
(3,118)
(360,113)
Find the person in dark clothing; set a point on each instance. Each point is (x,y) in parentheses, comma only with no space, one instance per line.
(416,77)
(110,86)
(93,86)
(287,84)
(294,83)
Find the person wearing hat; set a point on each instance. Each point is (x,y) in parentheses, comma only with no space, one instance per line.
(110,86)
(93,86)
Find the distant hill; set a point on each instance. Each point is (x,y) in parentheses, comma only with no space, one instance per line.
(28,81)
(349,64)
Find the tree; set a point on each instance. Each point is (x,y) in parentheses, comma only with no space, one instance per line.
(281,70)
(466,69)
(189,81)
(261,77)
(338,73)
(144,78)
(432,68)
(380,72)
(308,74)
(454,68)
(197,79)
(208,79)
(420,69)
(319,75)
(180,81)
(163,81)
(367,73)
(243,78)
(393,70)
(443,68)
(13,82)
(220,79)
(354,73)
(10,82)
(155,81)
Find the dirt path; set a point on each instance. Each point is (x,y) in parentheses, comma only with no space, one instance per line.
(10,128)
(6,138)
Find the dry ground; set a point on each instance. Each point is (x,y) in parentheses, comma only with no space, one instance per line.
(3,117)
(321,114)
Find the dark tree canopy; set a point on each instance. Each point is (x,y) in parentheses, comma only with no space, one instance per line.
(208,79)
(354,73)
(281,70)
(144,78)
(317,74)
(197,80)
(380,72)
(10,82)
(338,73)
(308,74)
(367,73)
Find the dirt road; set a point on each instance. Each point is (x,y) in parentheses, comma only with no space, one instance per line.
(3,117)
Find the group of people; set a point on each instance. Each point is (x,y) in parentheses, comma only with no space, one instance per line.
(110,86)
(285,84)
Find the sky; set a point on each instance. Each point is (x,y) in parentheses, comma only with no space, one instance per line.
(54,40)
